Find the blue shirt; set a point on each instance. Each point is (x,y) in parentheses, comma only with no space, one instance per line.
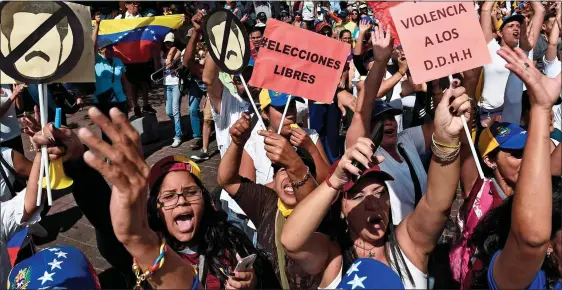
(538,283)
(107,77)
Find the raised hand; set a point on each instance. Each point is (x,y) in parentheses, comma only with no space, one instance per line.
(244,18)
(197,19)
(382,44)
(455,103)
(403,64)
(30,124)
(16,90)
(364,26)
(299,138)
(61,143)
(97,18)
(346,99)
(127,171)
(519,63)
(278,149)
(240,131)
(558,8)
(362,152)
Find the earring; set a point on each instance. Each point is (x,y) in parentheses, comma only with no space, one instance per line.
(494,167)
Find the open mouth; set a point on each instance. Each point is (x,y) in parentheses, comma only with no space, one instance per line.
(374,220)
(184,222)
(288,190)
(516,35)
(388,131)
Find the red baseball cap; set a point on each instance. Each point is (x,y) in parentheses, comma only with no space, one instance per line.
(374,170)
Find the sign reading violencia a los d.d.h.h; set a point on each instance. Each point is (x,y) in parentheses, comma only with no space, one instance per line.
(440,38)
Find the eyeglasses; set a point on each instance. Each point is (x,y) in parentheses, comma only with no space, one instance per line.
(169,199)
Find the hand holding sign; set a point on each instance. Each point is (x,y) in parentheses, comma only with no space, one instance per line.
(240,131)
(299,138)
(278,149)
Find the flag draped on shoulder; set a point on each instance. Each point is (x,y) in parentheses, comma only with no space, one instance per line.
(135,37)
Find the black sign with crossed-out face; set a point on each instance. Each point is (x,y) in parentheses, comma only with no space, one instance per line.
(43,41)
(227,41)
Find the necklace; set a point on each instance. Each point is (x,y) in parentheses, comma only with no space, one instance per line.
(366,252)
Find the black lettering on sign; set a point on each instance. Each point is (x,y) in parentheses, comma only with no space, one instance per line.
(435,15)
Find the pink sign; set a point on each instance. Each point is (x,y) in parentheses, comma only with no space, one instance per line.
(440,38)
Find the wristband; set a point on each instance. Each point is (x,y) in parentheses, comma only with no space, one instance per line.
(158,263)
(329,184)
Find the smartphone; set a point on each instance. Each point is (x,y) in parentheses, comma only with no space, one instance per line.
(246,263)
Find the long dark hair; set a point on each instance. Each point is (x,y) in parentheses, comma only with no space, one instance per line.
(491,233)
(392,250)
(218,240)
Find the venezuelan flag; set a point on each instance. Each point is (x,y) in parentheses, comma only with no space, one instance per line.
(134,38)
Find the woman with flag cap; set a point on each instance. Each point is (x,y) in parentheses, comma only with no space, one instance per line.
(362,213)
(178,238)
(520,242)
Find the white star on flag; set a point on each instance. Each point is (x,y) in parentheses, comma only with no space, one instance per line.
(154,37)
(61,254)
(353,268)
(139,29)
(357,282)
(152,31)
(53,249)
(46,277)
(55,264)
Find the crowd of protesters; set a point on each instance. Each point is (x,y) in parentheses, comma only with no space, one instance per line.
(310,196)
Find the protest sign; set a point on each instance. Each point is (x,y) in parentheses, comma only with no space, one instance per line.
(227,40)
(45,42)
(440,38)
(299,62)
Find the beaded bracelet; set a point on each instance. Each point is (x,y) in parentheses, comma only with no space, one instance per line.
(443,144)
(158,264)
(298,184)
(444,155)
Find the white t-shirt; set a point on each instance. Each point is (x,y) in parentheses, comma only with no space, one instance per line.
(4,191)
(11,213)
(308,11)
(128,15)
(169,78)
(495,79)
(401,189)
(9,125)
(255,148)
(231,110)
(552,69)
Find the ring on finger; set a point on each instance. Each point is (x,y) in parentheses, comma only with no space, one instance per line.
(525,65)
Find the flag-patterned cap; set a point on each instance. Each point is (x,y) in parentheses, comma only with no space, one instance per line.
(55,267)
